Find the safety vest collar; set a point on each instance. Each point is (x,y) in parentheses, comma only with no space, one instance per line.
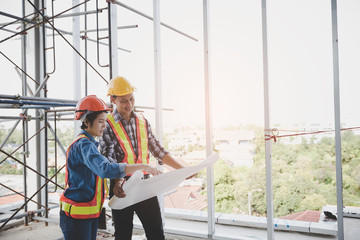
(125,143)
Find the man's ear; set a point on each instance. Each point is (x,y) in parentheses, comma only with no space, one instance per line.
(112,100)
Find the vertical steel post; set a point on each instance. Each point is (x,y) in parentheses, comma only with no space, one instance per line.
(157,70)
(40,76)
(86,51)
(339,182)
(76,58)
(158,86)
(46,204)
(208,119)
(268,160)
(113,46)
(43,134)
(24,93)
(76,44)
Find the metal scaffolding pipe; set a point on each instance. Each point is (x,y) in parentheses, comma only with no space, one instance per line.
(62,110)
(152,108)
(89,39)
(26,87)
(61,114)
(79,13)
(85,53)
(339,178)
(55,148)
(63,119)
(56,138)
(8,136)
(47,20)
(17,160)
(6,106)
(18,67)
(13,22)
(208,119)
(7,30)
(47,181)
(22,102)
(35,107)
(98,38)
(44,219)
(17,216)
(106,29)
(17,97)
(10,155)
(37,24)
(16,118)
(21,215)
(17,18)
(148,17)
(37,91)
(22,195)
(268,161)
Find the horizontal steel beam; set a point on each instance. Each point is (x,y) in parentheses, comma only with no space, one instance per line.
(106,29)
(18,97)
(22,102)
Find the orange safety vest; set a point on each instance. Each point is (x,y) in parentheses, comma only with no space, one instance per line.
(84,210)
(125,143)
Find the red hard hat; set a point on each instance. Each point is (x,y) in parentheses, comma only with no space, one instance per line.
(89,104)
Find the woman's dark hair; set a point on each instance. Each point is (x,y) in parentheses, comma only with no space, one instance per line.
(91,118)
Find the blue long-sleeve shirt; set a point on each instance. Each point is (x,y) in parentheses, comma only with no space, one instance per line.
(84,163)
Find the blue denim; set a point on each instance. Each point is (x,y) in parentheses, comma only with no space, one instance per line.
(78,229)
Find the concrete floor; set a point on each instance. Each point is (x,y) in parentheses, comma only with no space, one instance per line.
(174,227)
(39,231)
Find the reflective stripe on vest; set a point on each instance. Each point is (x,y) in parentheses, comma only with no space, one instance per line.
(84,210)
(125,143)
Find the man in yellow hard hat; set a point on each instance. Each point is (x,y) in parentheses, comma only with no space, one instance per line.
(128,138)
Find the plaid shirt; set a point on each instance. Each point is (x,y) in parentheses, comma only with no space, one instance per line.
(110,147)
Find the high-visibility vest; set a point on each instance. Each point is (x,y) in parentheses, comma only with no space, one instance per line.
(125,143)
(84,210)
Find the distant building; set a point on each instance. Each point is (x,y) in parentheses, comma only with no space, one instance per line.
(186,196)
(313,132)
(194,157)
(235,146)
(186,139)
(305,216)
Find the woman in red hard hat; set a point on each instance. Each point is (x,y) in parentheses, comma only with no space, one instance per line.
(86,169)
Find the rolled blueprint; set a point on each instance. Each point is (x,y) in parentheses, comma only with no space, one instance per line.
(138,189)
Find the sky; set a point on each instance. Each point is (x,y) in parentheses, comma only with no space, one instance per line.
(300,61)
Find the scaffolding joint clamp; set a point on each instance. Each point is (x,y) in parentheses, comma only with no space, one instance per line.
(30,215)
(26,117)
(25,153)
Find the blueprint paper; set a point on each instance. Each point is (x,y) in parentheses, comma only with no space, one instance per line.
(138,189)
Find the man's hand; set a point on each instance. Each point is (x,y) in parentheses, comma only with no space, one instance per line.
(118,190)
(152,170)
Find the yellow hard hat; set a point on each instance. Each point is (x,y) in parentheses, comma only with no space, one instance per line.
(119,86)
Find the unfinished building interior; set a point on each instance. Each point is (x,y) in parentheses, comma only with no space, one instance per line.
(41,29)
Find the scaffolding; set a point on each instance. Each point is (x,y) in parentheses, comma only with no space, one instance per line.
(47,109)
(40,18)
